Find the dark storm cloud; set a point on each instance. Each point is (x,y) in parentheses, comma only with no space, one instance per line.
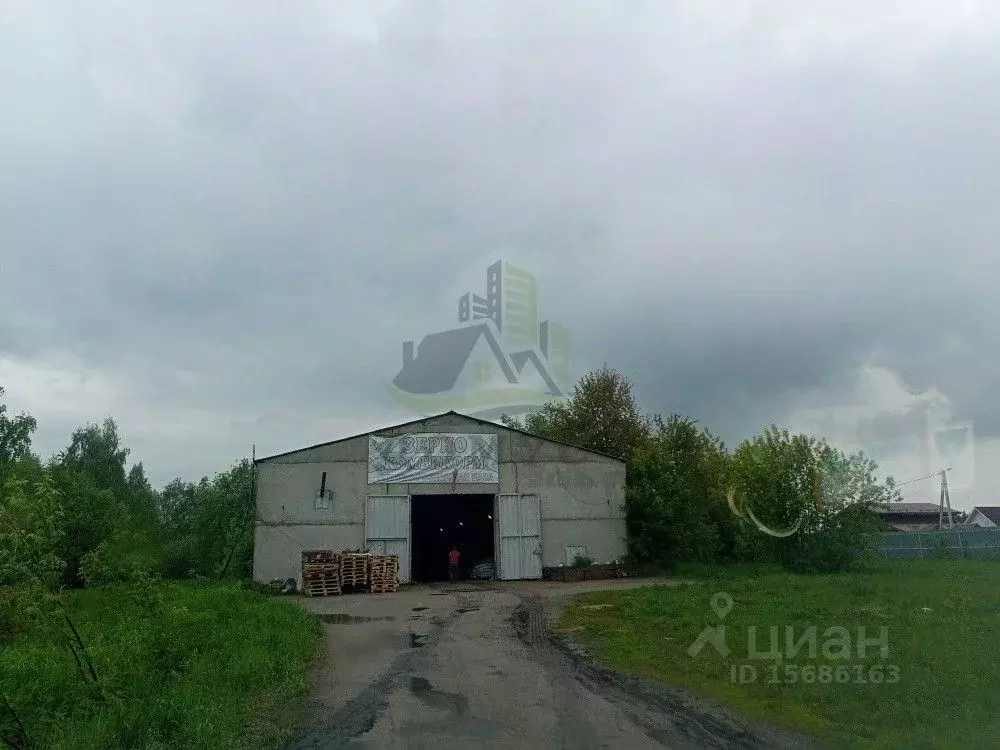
(239,212)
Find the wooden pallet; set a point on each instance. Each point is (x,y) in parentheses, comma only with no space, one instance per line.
(321,573)
(321,579)
(319,556)
(384,574)
(322,588)
(328,567)
(354,569)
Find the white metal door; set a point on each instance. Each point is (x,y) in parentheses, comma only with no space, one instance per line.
(387,529)
(520,536)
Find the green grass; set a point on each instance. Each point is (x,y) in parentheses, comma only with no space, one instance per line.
(216,666)
(943,620)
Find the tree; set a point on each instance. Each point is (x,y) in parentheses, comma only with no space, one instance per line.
(208,523)
(178,503)
(30,569)
(676,494)
(91,515)
(141,500)
(30,531)
(15,440)
(803,502)
(133,548)
(97,451)
(602,414)
(112,517)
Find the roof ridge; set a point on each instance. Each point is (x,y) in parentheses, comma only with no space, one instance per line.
(436,416)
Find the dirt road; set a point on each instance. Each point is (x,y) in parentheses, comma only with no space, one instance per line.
(475,666)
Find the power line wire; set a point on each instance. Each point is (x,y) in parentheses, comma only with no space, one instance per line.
(920,479)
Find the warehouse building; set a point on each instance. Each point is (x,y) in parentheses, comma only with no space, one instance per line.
(416,489)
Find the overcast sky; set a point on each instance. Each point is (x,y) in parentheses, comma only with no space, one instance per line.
(219,220)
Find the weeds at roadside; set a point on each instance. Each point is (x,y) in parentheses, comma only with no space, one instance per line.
(200,665)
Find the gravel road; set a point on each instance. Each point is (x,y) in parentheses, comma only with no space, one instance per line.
(477,667)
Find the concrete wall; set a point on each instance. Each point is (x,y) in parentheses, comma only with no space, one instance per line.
(582,495)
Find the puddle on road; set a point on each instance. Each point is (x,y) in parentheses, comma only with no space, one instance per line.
(418,609)
(421,688)
(417,641)
(339,618)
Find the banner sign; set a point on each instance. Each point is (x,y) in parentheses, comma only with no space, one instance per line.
(433,457)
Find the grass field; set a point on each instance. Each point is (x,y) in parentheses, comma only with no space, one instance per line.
(943,661)
(212,666)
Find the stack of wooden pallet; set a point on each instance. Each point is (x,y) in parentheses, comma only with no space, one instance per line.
(384,573)
(354,570)
(321,573)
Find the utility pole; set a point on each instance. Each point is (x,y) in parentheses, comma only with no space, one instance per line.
(945,498)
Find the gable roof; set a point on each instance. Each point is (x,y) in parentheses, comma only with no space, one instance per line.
(441,357)
(427,419)
(910,508)
(520,359)
(992,512)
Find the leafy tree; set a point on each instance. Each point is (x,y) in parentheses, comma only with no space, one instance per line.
(141,498)
(91,515)
(602,414)
(112,519)
(236,487)
(30,569)
(209,523)
(97,451)
(142,503)
(15,440)
(177,502)
(804,503)
(676,494)
(30,532)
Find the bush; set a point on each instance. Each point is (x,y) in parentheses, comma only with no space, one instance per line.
(582,561)
(675,503)
(846,543)
(125,557)
(21,609)
(30,530)
(804,503)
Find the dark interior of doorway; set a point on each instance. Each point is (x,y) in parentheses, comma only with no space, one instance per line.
(440,521)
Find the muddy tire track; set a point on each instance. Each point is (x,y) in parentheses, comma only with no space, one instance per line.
(668,715)
(360,714)
(571,730)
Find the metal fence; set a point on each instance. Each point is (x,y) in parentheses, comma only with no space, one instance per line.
(971,543)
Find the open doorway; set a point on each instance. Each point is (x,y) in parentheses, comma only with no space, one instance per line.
(440,521)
